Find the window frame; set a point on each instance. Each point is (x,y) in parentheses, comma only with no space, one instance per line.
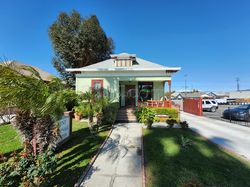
(94,81)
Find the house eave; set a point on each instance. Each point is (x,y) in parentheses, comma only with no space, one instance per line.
(77,70)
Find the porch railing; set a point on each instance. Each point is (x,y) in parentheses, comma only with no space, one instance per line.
(156,104)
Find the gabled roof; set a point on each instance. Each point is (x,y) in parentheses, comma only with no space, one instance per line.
(138,65)
(43,74)
(192,95)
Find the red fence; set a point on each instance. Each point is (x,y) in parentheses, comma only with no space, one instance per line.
(193,106)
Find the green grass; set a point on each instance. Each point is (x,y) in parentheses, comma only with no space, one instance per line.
(74,156)
(203,163)
(9,139)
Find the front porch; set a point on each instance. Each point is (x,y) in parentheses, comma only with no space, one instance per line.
(144,93)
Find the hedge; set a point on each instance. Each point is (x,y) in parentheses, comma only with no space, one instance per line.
(110,112)
(171,112)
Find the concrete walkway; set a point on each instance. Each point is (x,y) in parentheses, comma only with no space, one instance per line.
(230,136)
(120,162)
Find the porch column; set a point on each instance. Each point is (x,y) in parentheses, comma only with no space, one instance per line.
(169,86)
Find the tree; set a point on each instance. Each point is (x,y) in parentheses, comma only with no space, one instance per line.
(39,104)
(78,42)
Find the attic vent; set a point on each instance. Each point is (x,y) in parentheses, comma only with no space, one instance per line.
(123,62)
(123,59)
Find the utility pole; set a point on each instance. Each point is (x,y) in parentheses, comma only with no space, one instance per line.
(238,83)
(185,78)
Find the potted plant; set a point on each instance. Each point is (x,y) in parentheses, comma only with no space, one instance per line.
(78,112)
(94,106)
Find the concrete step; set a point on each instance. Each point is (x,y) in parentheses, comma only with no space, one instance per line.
(126,115)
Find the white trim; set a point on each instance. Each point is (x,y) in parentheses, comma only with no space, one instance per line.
(121,69)
(124,73)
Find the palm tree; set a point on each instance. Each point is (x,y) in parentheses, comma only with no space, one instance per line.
(39,104)
(94,105)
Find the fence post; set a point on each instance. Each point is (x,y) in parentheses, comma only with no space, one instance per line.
(70,115)
(200,107)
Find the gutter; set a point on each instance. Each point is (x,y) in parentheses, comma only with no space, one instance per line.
(175,69)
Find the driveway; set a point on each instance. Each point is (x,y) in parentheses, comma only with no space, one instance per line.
(235,138)
(120,162)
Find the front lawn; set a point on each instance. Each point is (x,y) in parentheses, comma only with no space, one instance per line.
(74,156)
(201,164)
(9,139)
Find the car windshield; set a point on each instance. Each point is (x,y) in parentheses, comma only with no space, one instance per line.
(213,102)
(243,107)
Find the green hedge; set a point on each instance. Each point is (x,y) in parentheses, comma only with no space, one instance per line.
(110,112)
(171,112)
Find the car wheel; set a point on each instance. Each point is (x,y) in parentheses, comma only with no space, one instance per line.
(213,109)
(247,119)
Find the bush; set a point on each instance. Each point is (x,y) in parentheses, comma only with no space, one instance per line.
(81,110)
(186,142)
(27,170)
(171,122)
(170,112)
(110,113)
(184,125)
(146,116)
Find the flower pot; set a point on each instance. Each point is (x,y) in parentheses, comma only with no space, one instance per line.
(77,116)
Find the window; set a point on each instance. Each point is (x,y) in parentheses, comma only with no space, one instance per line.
(208,103)
(97,85)
(145,91)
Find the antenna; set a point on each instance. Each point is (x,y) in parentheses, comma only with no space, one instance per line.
(238,83)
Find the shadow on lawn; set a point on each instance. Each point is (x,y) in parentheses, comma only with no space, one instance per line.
(203,163)
(75,155)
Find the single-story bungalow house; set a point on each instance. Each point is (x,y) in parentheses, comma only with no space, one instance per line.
(127,79)
(182,95)
(45,76)
(219,95)
(241,94)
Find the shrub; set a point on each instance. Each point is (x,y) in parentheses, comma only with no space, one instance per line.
(81,110)
(185,142)
(146,116)
(171,122)
(24,169)
(184,125)
(170,112)
(110,113)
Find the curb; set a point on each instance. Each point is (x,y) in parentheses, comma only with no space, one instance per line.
(143,161)
(90,164)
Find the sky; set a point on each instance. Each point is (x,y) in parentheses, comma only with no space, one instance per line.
(208,39)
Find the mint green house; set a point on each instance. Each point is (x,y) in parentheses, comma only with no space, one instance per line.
(126,78)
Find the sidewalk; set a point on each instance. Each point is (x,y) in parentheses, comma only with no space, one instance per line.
(120,162)
(230,136)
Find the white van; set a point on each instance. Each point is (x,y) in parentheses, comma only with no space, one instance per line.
(209,105)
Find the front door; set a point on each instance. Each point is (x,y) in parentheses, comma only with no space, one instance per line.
(130,95)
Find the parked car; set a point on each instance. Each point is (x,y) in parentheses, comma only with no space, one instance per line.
(209,105)
(241,112)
